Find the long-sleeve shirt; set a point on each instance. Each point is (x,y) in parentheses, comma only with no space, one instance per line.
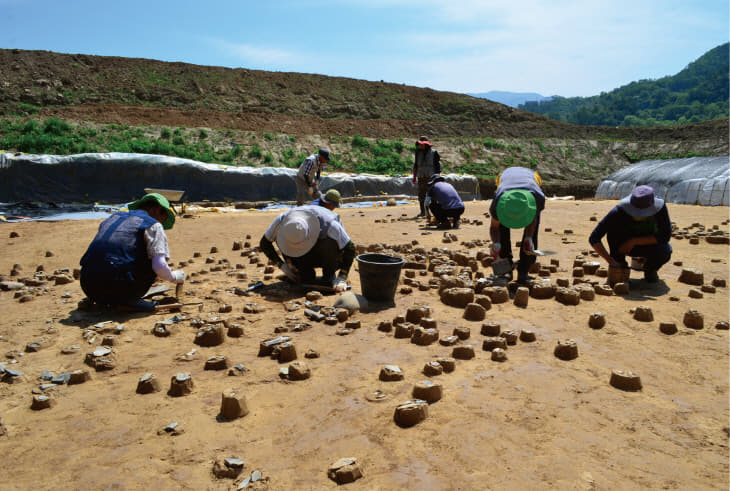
(445,195)
(619,227)
(311,169)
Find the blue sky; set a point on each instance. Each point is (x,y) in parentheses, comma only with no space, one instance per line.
(564,47)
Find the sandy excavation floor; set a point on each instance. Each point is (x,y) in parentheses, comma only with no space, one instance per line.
(531,422)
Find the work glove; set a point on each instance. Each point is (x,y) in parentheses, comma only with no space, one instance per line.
(528,246)
(494,249)
(289,271)
(339,284)
(310,190)
(179,276)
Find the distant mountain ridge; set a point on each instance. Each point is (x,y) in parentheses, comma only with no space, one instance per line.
(697,93)
(512,99)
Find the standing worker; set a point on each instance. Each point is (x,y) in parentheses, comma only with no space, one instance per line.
(128,253)
(310,237)
(426,163)
(445,202)
(517,203)
(638,226)
(307,179)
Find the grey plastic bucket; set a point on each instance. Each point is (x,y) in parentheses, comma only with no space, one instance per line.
(379,274)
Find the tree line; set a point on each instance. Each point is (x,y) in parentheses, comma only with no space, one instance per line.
(697,93)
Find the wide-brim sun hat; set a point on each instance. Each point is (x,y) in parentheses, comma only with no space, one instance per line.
(516,208)
(641,202)
(298,232)
(160,200)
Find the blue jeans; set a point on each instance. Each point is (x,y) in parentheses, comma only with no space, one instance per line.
(657,255)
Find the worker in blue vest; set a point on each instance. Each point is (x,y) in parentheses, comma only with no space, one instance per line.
(128,253)
(517,203)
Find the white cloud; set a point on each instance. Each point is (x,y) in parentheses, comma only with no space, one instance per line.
(252,54)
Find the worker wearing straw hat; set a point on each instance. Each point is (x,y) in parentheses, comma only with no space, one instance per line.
(128,253)
(310,237)
(517,203)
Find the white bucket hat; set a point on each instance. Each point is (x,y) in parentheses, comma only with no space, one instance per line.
(298,232)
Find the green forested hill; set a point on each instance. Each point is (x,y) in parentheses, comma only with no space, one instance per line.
(697,93)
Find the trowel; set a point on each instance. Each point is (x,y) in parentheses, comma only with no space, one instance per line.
(538,252)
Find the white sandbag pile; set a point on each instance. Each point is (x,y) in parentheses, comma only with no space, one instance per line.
(115,177)
(691,181)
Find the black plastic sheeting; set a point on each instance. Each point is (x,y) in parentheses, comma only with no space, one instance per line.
(697,180)
(117,177)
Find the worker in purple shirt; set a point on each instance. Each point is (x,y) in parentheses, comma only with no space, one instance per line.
(638,226)
(446,203)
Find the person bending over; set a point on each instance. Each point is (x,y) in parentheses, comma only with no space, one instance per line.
(445,202)
(310,237)
(517,203)
(310,172)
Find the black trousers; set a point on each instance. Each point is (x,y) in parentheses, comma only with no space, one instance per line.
(114,289)
(526,260)
(325,254)
(422,191)
(442,215)
(656,255)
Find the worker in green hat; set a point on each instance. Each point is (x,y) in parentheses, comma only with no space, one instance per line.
(517,203)
(128,253)
(330,200)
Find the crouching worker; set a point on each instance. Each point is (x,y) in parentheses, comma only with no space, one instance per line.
(638,226)
(330,200)
(310,237)
(128,253)
(517,203)
(445,202)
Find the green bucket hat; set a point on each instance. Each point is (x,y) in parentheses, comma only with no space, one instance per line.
(516,208)
(160,200)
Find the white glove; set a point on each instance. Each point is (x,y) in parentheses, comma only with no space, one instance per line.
(179,276)
(494,249)
(339,284)
(289,271)
(528,245)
